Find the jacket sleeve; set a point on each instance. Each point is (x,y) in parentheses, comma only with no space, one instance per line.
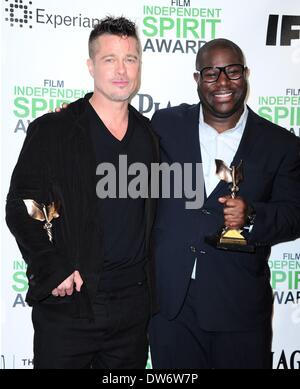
(46,267)
(279,219)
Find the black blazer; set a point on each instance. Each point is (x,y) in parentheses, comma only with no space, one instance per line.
(57,162)
(234,292)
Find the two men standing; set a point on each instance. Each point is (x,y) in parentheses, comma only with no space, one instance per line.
(92,287)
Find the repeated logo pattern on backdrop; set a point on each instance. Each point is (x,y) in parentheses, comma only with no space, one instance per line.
(45,51)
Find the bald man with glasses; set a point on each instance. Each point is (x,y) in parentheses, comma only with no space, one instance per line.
(216,305)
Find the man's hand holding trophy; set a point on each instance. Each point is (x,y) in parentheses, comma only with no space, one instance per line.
(236,212)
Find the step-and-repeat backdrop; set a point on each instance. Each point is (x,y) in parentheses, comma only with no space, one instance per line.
(44,52)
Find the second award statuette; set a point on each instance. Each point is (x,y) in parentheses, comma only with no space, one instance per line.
(229,238)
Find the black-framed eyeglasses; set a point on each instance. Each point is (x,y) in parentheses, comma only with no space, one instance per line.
(233,72)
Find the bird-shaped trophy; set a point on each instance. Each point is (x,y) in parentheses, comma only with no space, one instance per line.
(230,238)
(44,213)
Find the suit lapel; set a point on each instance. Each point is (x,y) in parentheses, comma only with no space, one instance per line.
(191,140)
(249,138)
(194,148)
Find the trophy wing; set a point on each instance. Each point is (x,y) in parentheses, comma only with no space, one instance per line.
(52,210)
(34,209)
(223,171)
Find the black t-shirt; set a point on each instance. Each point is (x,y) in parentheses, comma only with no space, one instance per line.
(122,221)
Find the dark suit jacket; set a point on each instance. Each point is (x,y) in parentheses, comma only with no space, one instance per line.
(57,162)
(234,292)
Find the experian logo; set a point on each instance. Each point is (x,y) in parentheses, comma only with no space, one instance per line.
(18,13)
(21,13)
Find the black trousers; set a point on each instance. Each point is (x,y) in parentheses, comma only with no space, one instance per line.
(116,339)
(182,344)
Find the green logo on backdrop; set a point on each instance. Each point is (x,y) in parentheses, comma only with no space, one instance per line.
(33,101)
(285,278)
(19,283)
(282,110)
(178,27)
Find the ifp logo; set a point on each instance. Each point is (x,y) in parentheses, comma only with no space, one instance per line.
(2,362)
(288,31)
(18,13)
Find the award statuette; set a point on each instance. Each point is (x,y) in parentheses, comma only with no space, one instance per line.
(230,239)
(43,212)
